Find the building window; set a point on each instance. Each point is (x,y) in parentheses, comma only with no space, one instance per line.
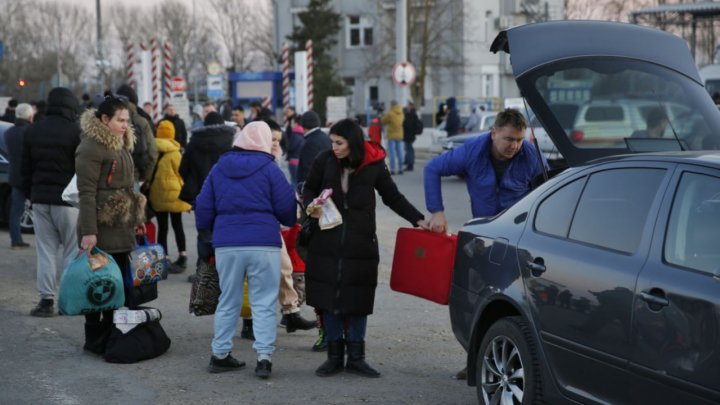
(349,81)
(359,31)
(374,93)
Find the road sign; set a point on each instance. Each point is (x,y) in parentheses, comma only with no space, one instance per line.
(215,86)
(214,68)
(2,49)
(177,84)
(403,73)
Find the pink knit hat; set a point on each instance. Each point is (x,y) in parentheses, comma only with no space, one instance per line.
(255,136)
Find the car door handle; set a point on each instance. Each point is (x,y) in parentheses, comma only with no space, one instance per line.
(654,299)
(537,268)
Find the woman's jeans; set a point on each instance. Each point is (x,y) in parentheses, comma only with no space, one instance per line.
(261,265)
(335,326)
(409,154)
(397,149)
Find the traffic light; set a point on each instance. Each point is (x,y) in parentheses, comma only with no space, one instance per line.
(21,83)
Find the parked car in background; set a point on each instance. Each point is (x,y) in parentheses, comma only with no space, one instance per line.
(26,223)
(487,120)
(566,113)
(601,285)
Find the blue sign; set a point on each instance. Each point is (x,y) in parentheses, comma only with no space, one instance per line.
(2,49)
(216,86)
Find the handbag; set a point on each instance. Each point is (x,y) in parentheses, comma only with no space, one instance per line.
(309,225)
(70,194)
(205,290)
(92,282)
(148,263)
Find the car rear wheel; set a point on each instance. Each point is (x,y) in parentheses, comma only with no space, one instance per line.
(508,371)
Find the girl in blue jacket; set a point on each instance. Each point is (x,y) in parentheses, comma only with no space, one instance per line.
(242,202)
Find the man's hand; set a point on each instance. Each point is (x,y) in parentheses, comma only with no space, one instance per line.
(88,242)
(438,223)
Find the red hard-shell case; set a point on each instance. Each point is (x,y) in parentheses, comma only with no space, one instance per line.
(423,264)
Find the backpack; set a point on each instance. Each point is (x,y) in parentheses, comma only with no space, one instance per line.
(419,127)
(140,154)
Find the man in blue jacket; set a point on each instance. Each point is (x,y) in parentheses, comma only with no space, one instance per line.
(498,167)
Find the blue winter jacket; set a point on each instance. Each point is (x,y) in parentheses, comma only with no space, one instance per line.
(472,160)
(243,199)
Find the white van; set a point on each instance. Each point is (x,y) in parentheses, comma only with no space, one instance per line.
(710,75)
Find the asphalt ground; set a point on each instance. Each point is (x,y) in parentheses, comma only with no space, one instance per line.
(409,340)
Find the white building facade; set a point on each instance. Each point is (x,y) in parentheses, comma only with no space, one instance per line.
(459,62)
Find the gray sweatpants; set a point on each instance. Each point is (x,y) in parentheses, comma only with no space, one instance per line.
(55,225)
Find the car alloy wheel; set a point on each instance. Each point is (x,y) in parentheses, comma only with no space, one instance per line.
(507,371)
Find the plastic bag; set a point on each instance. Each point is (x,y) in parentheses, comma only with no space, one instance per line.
(331,216)
(70,194)
(91,284)
(148,263)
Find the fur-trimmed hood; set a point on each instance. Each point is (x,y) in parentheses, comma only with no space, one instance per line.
(94,129)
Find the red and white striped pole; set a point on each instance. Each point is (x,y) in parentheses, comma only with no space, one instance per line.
(286,80)
(308,49)
(167,72)
(266,101)
(130,64)
(155,78)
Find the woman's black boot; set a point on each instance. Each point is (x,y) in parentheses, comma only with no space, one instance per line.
(356,361)
(334,362)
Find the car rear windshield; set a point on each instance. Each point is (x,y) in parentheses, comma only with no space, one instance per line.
(618,99)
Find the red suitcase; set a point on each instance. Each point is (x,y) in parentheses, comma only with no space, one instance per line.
(423,264)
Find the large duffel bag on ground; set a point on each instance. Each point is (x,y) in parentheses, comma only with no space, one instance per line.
(145,340)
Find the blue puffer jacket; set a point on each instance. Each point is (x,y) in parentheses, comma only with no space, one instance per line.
(243,199)
(472,160)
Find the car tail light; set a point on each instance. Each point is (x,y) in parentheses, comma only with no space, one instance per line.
(577,136)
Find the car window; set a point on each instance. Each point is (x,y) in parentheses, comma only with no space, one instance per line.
(693,235)
(555,212)
(489,122)
(613,208)
(613,113)
(615,96)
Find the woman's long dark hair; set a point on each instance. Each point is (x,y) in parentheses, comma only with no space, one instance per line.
(352,132)
(110,106)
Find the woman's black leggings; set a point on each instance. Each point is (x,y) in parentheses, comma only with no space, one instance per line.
(176,220)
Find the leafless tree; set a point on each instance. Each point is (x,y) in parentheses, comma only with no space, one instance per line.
(434,41)
(190,42)
(261,39)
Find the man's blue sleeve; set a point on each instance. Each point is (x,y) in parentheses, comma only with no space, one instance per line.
(454,162)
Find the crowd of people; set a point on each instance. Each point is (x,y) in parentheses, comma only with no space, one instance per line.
(247,211)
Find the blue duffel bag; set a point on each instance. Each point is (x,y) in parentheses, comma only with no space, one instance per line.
(92,282)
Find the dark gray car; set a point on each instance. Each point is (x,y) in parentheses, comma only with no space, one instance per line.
(601,286)
(26,220)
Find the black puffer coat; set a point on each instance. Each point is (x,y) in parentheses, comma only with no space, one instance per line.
(48,161)
(14,141)
(342,264)
(205,147)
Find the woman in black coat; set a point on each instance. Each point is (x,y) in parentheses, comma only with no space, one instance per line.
(342,263)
